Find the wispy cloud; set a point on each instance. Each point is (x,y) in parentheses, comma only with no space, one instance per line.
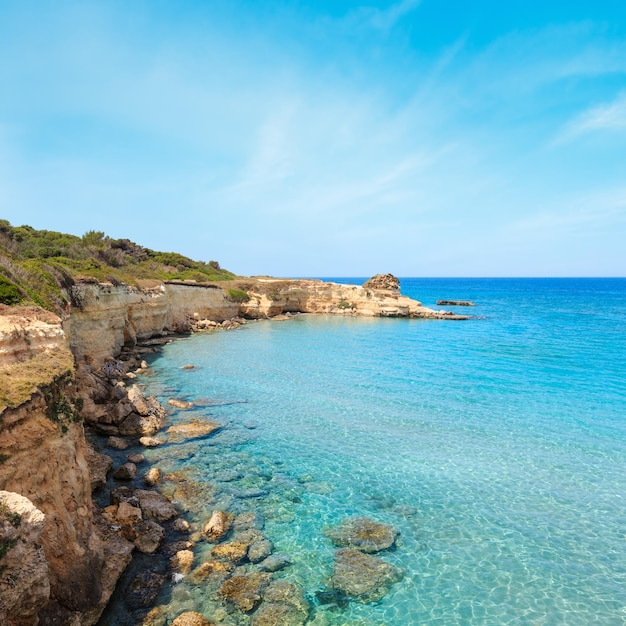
(385,19)
(604,117)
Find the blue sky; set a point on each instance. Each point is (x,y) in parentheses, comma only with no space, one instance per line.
(419,137)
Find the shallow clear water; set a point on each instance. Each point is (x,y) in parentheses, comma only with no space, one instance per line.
(497,446)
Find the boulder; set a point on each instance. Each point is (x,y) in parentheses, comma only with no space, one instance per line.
(218,526)
(363,534)
(152,476)
(233,551)
(99,466)
(180,404)
(274,563)
(155,506)
(117,443)
(150,442)
(128,471)
(136,458)
(191,618)
(210,570)
(182,561)
(143,425)
(259,550)
(149,536)
(193,429)
(127,514)
(245,592)
(387,282)
(144,589)
(363,577)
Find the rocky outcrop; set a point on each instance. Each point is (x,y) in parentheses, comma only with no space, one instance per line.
(383,281)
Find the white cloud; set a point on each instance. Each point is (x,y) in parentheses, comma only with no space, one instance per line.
(604,117)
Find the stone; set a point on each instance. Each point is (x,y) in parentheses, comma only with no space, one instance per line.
(192,429)
(155,617)
(252,492)
(150,442)
(274,563)
(191,618)
(454,303)
(218,526)
(259,550)
(155,506)
(189,366)
(127,471)
(180,525)
(182,561)
(127,514)
(136,458)
(245,592)
(248,520)
(99,466)
(363,534)
(363,577)
(149,536)
(211,569)
(152,476)
(117,443)
(270,614)
(286,592)
(143,425)
(119,391)
(138,400)
(383,281)
(144,589)
(180,404)
(233,551)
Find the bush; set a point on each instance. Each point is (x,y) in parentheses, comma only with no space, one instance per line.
(9,293)
(237,295)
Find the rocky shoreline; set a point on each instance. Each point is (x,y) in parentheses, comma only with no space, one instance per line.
(77,551)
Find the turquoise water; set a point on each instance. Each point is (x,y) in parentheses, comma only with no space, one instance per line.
(497,446)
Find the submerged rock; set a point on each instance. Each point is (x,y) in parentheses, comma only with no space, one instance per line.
(274,563)
(363,534)
(245,592)
(191,618)
(117,443)
(233,551)
(144,589)
(212,569)
(182,561)
(363,577)
(259,550)
(218,526)
(180,404)
(193,429)
(128,471)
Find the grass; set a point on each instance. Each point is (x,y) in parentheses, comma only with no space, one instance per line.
(18,381)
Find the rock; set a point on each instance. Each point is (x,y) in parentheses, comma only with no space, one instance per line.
(180,404)
(259,550)
(253,492)
(149,536)
(155,617)
(136,458)
(211,569)
(245,592)
(192,430)
(152,476)
(144,425)
(127,514)
(24,575)
(127,471)
(454,303)
(274,563)
(155,506)
(191,618)
(218,526)
(270,614)
(182,561)
(117,443)
(383,281)
(150,442)
(363,534)
(144,589)
(180,525)
(363,577)
(248,520)
(285,592)
(189,366)
(233,551)
(138,400)
(99,466)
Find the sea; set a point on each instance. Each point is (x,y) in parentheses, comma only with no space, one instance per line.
(496,446)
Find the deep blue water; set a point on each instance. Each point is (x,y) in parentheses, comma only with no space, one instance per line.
(497,446)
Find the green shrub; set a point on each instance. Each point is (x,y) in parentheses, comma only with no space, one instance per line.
(9,293)
(237,295)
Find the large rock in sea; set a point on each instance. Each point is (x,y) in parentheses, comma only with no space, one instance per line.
(363,577)
(364,534)
(245,592)
(383,281)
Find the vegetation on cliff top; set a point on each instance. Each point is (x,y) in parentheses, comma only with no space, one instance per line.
(41,266)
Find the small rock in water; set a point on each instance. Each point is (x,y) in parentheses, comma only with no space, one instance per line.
(180,404)
(259,550)
(274,563)
(136,458)
(363,534)
(332,597)
(127,471)
(250,425)
(152,476)
(117,443)
(189,366)
(218,526)
(150,442)
(144,589)
(191,618)
(249,493)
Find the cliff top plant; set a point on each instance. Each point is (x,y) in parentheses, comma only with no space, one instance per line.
(40,266)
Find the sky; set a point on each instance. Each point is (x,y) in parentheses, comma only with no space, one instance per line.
(324,137)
